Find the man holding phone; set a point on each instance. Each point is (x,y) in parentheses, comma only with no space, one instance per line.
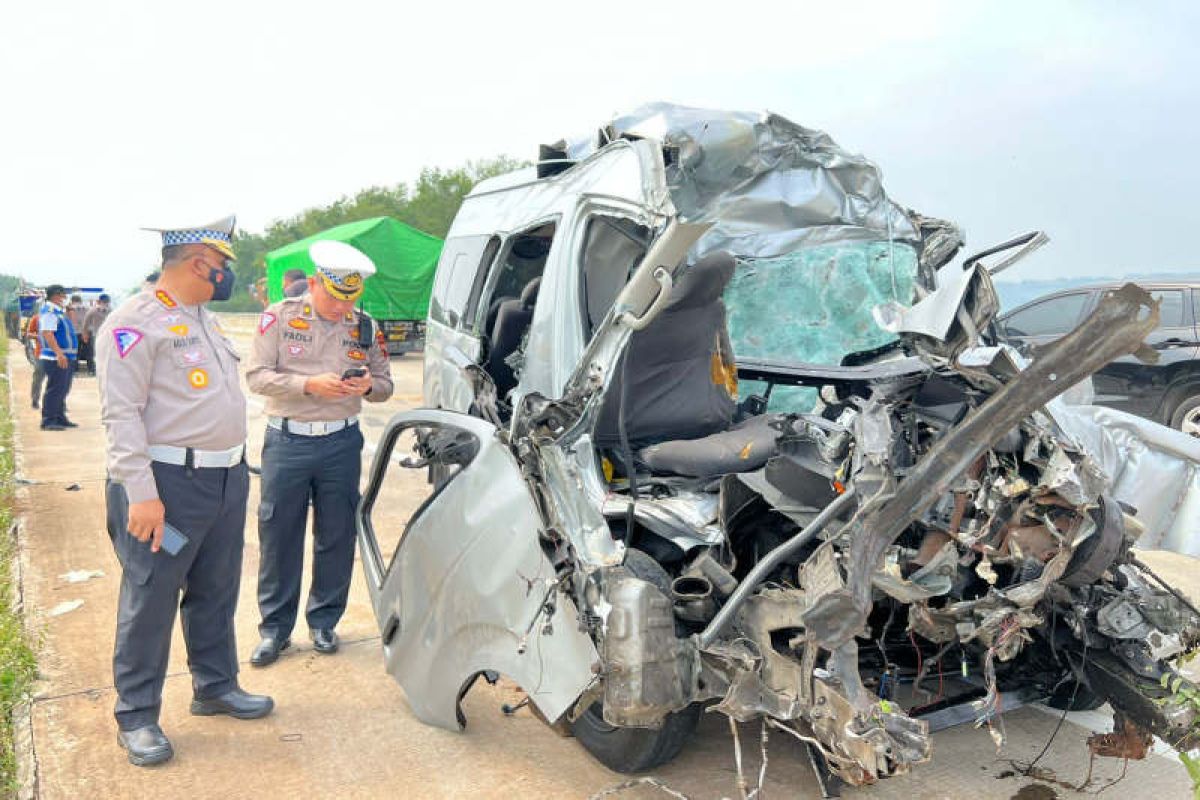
(175,417)
(315,359)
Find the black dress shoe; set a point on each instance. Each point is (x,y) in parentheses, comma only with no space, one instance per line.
(268,651)
(236,703)
(324,640)
(146,746)
(66,423)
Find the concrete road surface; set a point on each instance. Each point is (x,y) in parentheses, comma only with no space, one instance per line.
(342,727)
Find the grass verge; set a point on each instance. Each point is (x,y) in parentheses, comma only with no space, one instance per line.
(18,665)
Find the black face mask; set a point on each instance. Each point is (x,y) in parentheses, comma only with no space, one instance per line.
(222,280)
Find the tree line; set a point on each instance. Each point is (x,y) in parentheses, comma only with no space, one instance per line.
(428,205)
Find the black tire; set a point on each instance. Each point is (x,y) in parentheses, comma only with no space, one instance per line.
(629,750)
(1185,409)
(1084,698)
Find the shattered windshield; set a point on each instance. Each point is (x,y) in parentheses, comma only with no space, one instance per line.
(814,305)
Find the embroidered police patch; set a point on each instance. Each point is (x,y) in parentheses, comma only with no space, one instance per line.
(179,330)
(198,378)
(299,324)
(165,299)
(265,322)
(126,339)
(295,350)
(190,358)
(357,355)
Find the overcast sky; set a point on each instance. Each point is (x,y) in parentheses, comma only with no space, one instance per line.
(1080,119)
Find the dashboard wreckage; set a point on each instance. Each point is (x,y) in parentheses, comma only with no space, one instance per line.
(633,524)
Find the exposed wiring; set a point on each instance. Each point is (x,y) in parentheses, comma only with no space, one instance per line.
(762,770)
(1062,717)
(920,661)
(937,659)
(636,782)
(883,635)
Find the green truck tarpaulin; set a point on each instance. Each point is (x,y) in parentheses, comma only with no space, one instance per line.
(405,260)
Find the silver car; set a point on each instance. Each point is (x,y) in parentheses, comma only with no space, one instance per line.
(714,425)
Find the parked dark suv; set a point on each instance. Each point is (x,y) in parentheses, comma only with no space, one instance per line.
(1166,392)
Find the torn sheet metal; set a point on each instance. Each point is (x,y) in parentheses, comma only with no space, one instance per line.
(1117,327)
(770,185)
(1151,467)
(934,316)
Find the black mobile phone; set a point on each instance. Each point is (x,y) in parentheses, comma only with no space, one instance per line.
(354,372)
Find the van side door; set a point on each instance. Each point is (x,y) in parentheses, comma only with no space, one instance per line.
(457,574)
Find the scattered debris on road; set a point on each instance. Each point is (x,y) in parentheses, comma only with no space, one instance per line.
(81,575)
(66,607)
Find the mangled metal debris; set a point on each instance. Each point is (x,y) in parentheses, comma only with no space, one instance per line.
(634,536)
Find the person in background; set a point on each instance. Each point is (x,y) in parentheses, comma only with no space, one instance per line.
(12,316)
(60,348)
(76,310)
(34,352)
(258,290)
(315,359)
(175,417)
(87,335)
(295,283)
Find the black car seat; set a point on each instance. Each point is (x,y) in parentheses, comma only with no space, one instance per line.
(512,322)
(679,382)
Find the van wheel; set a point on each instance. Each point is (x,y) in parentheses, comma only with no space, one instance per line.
(1187,416)
(634,749)
(629,750)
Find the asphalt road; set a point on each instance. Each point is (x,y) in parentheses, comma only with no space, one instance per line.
(342,727)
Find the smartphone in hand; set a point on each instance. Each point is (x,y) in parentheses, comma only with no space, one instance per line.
(173,540)
(354,372)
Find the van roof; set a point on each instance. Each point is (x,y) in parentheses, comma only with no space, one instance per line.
(508,180)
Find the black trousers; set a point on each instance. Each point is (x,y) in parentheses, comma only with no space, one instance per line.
(295,470)
(87,352)
(209,507)
(58,384)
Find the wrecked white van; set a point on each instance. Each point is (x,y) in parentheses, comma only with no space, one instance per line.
(714,425)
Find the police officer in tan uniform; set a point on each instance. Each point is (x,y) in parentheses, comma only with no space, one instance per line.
(315,358)
(175,417)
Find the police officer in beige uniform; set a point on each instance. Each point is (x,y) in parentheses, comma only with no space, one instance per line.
(175,417)
(315,358)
